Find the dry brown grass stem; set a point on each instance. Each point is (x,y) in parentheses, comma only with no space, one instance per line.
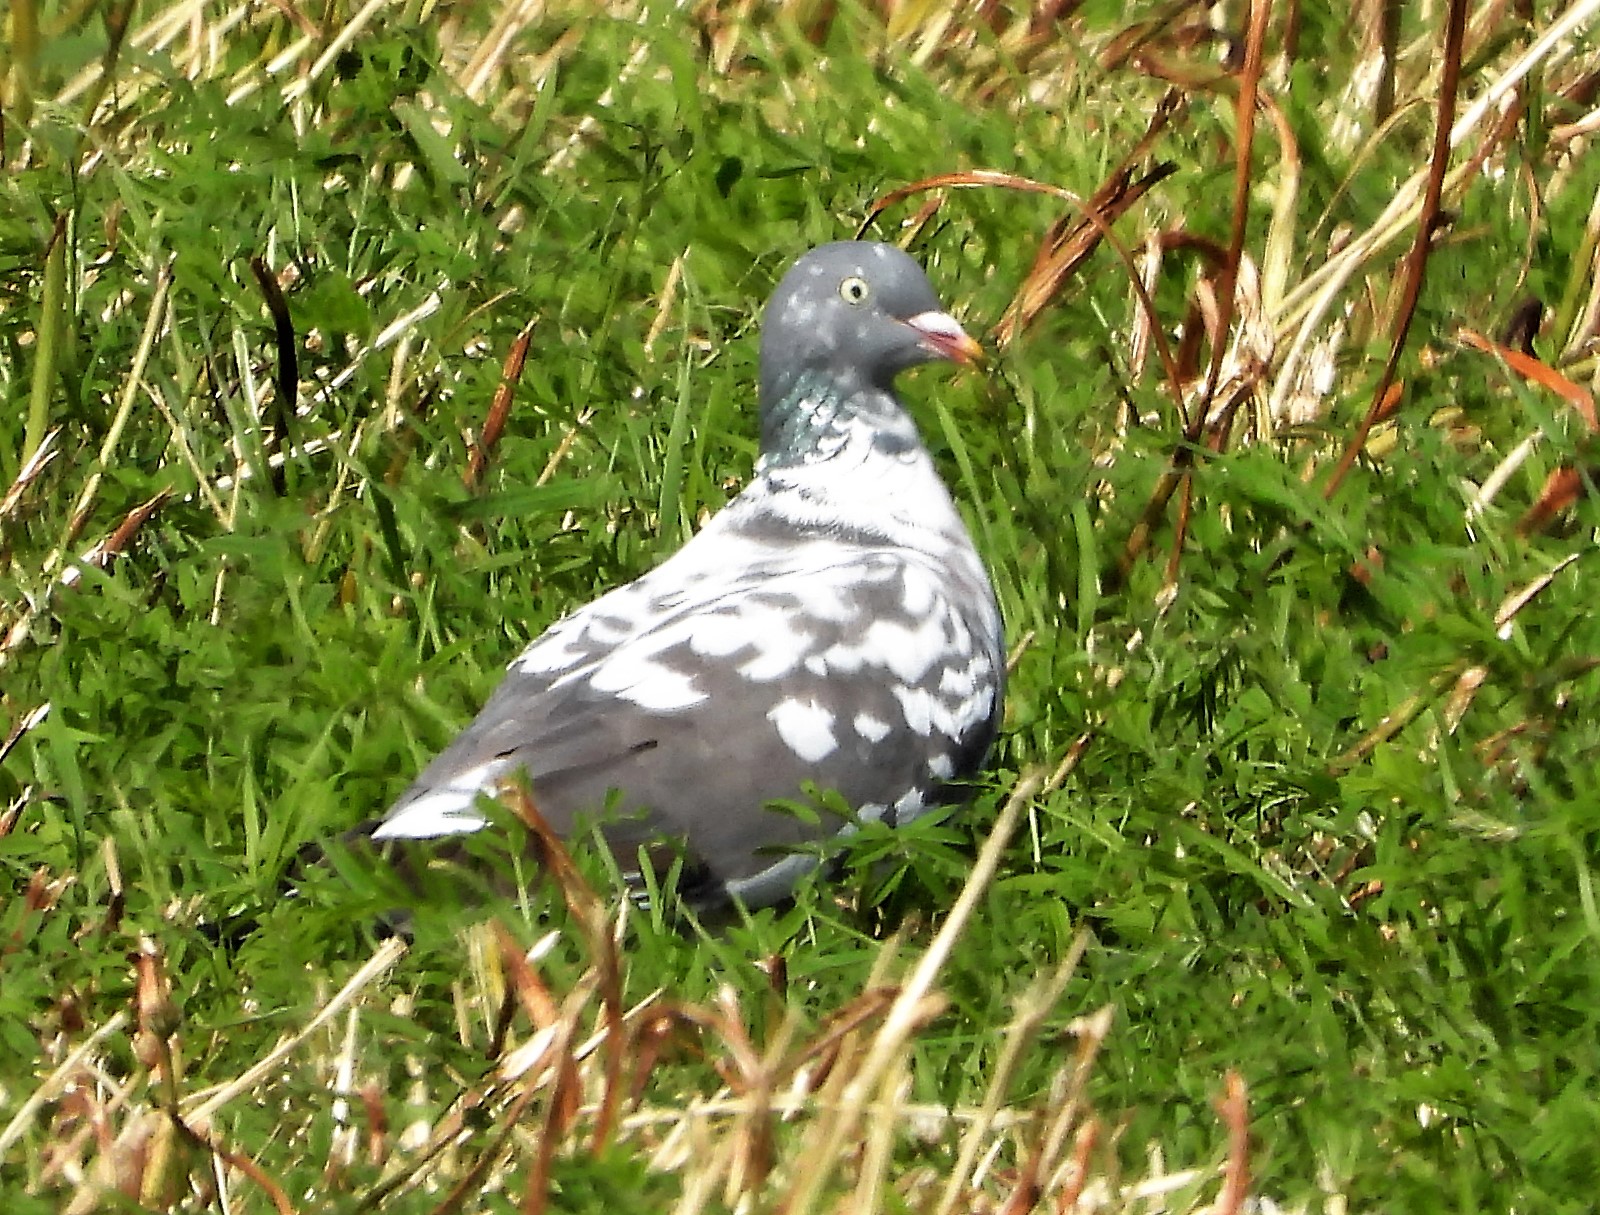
(1422,244)
(38,460)
(334,47)
(64,1074)
(1071,1105)
(23,723)
(563,156)
(1233,1108)
(1507,612)
(497,44)
(97,556)
(154,321)
(910,1008)
(202,1106)
(1306,305)
(1407,711)
(494,423)
(1249,84)
(569,437)
(1036,1004)
(664,302)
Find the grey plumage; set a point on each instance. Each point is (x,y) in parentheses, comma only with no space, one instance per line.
(832,625)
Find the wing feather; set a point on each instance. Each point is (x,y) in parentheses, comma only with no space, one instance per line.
(643,698)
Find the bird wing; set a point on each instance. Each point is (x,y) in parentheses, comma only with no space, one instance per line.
(685,710)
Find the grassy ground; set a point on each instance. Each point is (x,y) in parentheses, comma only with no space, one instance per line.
(1291,836)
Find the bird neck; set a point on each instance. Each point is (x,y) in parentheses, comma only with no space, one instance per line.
(849,466)
(825,417)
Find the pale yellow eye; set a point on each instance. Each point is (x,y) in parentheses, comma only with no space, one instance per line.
(854,290)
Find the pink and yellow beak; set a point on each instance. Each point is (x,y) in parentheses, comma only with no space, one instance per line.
(942,336)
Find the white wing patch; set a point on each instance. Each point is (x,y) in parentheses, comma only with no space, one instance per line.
(845,659)
(918,592)
(778,657)
(870,728)
(917,706)
(558,650)
(727,630)
(805,727)
(963,681)
(448,809)
(925,712)
(907,652)
(593,630)
(911,806)
(639,679)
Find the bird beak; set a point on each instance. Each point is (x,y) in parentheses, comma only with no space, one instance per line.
(943,336)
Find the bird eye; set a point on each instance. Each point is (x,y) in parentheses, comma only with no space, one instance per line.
(854,290)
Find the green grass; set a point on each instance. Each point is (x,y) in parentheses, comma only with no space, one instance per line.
(1330,820)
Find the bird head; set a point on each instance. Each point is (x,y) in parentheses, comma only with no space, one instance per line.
(854,314)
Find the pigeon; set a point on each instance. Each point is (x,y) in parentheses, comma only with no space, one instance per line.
(832,629)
